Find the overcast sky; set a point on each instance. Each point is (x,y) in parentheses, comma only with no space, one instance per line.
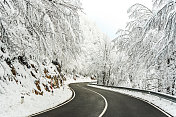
(110,15)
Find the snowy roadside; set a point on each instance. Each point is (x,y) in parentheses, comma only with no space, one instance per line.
(166,105)
(10,104)
(78,80)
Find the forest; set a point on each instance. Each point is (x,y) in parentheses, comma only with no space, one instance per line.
(35,34)
(143,55)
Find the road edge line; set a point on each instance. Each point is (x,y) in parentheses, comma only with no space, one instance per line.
(106,103)
(150,103)
(65,102)
(155,106)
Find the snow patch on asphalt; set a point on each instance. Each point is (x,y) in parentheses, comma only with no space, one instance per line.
(166,105)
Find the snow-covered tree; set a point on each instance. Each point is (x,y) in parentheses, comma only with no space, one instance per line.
(95,51)
(146,48)
(40,38)
(41,28)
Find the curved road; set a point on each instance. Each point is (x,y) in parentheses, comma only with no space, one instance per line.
(88,103)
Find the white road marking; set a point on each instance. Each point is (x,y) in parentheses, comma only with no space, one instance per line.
(102,113)
(106,103)
(56,106)
(167,114)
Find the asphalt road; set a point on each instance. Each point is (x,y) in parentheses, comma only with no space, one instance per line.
(90,104)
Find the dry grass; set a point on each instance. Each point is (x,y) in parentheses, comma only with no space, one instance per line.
(45,71)
(37,83)
(37,92)
(48,76)
(46,87)
(13,71)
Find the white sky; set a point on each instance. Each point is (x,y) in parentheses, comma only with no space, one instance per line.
(110,15)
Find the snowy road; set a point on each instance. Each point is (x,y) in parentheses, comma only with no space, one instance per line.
(91,102)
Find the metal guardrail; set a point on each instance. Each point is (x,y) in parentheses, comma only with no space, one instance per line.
(170,98)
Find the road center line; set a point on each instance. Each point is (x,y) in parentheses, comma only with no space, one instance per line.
(106,103)
(150,103)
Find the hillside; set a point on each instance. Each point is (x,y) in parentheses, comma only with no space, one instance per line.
(44,46)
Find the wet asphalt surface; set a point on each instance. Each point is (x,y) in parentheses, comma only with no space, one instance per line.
(89,104)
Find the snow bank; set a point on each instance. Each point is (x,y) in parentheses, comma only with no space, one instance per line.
(10,105)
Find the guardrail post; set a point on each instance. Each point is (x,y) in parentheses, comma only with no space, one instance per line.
(22,99)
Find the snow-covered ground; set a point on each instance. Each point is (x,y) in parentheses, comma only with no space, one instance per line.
(78,79)
(166,105)
(10,105)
